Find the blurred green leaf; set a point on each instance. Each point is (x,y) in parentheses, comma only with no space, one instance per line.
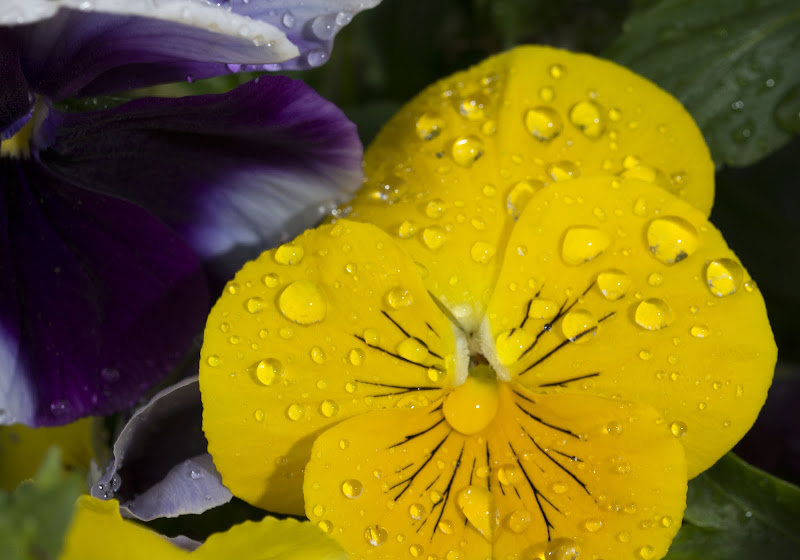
(735,65)
(735,511)
(35,517)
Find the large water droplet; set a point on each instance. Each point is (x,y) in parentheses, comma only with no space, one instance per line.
(678,429)
(429,126)
(295,412)
(268,370)
(583,243)
(329,408)
(653,314)
(416,511)
(254,304)
(671,239)
(562,549)
(399,297)
(478,505)
(508,475)
(376,535)
(467,150)
(544,123)
(482,252)
(352,488)
(413,349)
(302,302)
(588,117)
(613,284)
(579,325)
(325,26)
(541,308)
(289,254)
(434,237)
(317,355)
(724,277)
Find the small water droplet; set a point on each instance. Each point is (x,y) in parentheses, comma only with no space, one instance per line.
(213,361)
(429,126)
(472,107)
(592,525)
(613,284)
(329,408)
(678,429)
(352,488)
(511,344)
(613,428)
(519,521)
(413,349)
(482,252)
(317,355)
(259,415)
(541,308)
(563,170)
(416,550)
(579,325)
(557,71)
(583,243)
(588,117)
(544,123)
(671,239)
(289,254)
(646,552)
(288,19)
(325,26)
(254,304)
(655,279)
(546,94)
(700,331)
(436,208)
(508,475)
(558,487)
(446,527)
(356,357)
(416,511)
(434,237)
(653,314)
(376,535)
(562,549)
(295,412)
(467,150)
(724,277)
(399,298)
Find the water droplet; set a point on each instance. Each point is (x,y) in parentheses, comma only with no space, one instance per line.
(356,357)
(302,302)
(407,229)
(543,123)
(579,325)
(429,126)
(352,488)
(435,374)
(436,208)
(416,511)
(671,239)
(645,355)
(446,527)
(325,525)
(563,171)
(655,279)
(519,521)
(467,150)
(562,549)
(613,284)
(329,408)
(700,331)
(512,343)
(316,57)
(489,128)
(213,361)
(435,496)
(613,428)
(325,26)
(592,525)
(254,304)
(473,107)
(558,487)
(319,510)
(289,254)
(508,475)
(376,535)
(372,337)
(724,277)
(647,552)
(678,429)
(478,505)
(288,19)
(666,521)
(482,252)
(195,474)
(259,415)
(546,94)
(286,333)
(587,116)
(519,196)
(317,355)
(413,349)
(653,314)
(557,71)
(295,412)
(399,297)
(416,550)
(583,243)
(541,308)
(434,237)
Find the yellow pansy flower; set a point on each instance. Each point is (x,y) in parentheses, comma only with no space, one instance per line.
(523,340)
(98,532)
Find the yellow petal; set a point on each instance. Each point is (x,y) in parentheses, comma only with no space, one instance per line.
(22,449)
(334,323)
(450,173)
(599,475)
(99,532)
(665,314)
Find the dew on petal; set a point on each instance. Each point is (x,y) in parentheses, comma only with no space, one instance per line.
(541,308)
(254,304)
(329,408)
(352,488)
(429,126)
(356,357)
(399,298)
(434,237)
(213,361)
(512,343)
(467,150)
(508,475)
(678,429)
(653,314)
(416,511)
(413,350)
(543,123)
(592,525)
(478,505)
(436,208)
(472,107)
(416,550)
(289,254)
(268,370)
(271,280)
(407,229)
(563,170)
(671,239)
(700,331)
(295,412)
(482,252)
(519,196)
(376,535)
(562,549)
(519,521)
(317,355)
(613,284)
(579,325)
(303,302)
(583,243)
(724,277)
(588,117)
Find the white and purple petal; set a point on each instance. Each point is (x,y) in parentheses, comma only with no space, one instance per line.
(98,299)
(73,48)
(234,173)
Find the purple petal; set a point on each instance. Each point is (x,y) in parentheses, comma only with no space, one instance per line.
(16,103)
(69,49)
(161,467)
(98,299)
(233,173)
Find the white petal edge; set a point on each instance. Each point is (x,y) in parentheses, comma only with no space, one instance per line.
(258,42)
(17,398)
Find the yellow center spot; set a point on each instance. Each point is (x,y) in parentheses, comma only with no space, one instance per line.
(478,505)
(473,405)
(302,302)
(19,145)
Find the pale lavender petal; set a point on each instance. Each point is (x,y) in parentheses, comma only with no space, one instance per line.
(99,300)
(234,173)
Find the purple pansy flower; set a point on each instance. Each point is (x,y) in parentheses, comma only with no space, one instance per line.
(111,220)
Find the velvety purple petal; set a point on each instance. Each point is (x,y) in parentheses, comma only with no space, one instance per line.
(161,467)
(15,101)
(234,173)
(70,48)
(99,299)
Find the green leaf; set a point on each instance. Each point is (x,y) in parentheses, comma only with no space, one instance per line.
(35,517)
(735,65)
(735,511)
